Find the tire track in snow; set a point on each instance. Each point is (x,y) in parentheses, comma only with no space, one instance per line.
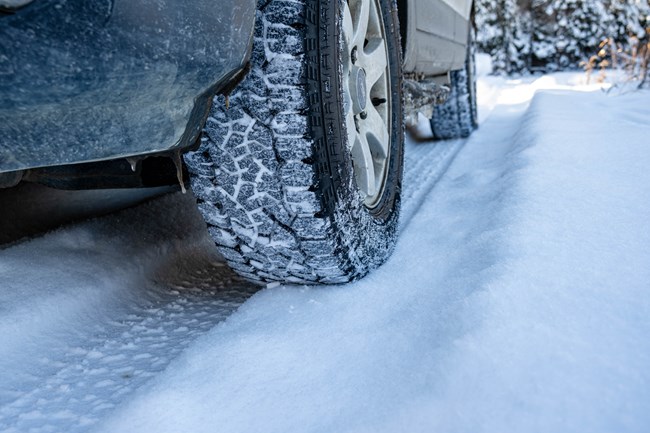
(424,163)
(94,375)
(91,312)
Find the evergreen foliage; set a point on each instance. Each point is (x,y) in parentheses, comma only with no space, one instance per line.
(548,35)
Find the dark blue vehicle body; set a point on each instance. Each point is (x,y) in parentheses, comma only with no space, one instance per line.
(96,80)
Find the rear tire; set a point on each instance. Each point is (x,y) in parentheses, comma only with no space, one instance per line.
(289,189)
(458,117)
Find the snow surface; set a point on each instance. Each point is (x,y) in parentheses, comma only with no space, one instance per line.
(518,299)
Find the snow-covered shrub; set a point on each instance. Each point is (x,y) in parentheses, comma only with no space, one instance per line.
(547,35)
(631,57)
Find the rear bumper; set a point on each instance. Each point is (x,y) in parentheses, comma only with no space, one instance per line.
(95,80)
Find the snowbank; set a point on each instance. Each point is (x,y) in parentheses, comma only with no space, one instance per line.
(518,299)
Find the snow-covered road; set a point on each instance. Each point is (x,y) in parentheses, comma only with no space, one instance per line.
(518,299)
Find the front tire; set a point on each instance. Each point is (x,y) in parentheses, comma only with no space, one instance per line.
(299,180)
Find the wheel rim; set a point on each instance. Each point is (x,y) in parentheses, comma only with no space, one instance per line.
(367,98)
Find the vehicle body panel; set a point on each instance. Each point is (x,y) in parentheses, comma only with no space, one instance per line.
(436,35)
(93,80)
(462,7)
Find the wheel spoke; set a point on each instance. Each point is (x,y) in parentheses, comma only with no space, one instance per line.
(361,15)
(373,60)
(374,128)
(364,167)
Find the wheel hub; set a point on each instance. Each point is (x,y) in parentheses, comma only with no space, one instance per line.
(359,90)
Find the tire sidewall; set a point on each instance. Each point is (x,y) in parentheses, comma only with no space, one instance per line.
(334,169)
(366,237)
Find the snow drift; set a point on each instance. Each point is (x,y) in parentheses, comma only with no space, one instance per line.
(517,300)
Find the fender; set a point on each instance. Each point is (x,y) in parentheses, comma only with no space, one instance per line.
(85,81)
